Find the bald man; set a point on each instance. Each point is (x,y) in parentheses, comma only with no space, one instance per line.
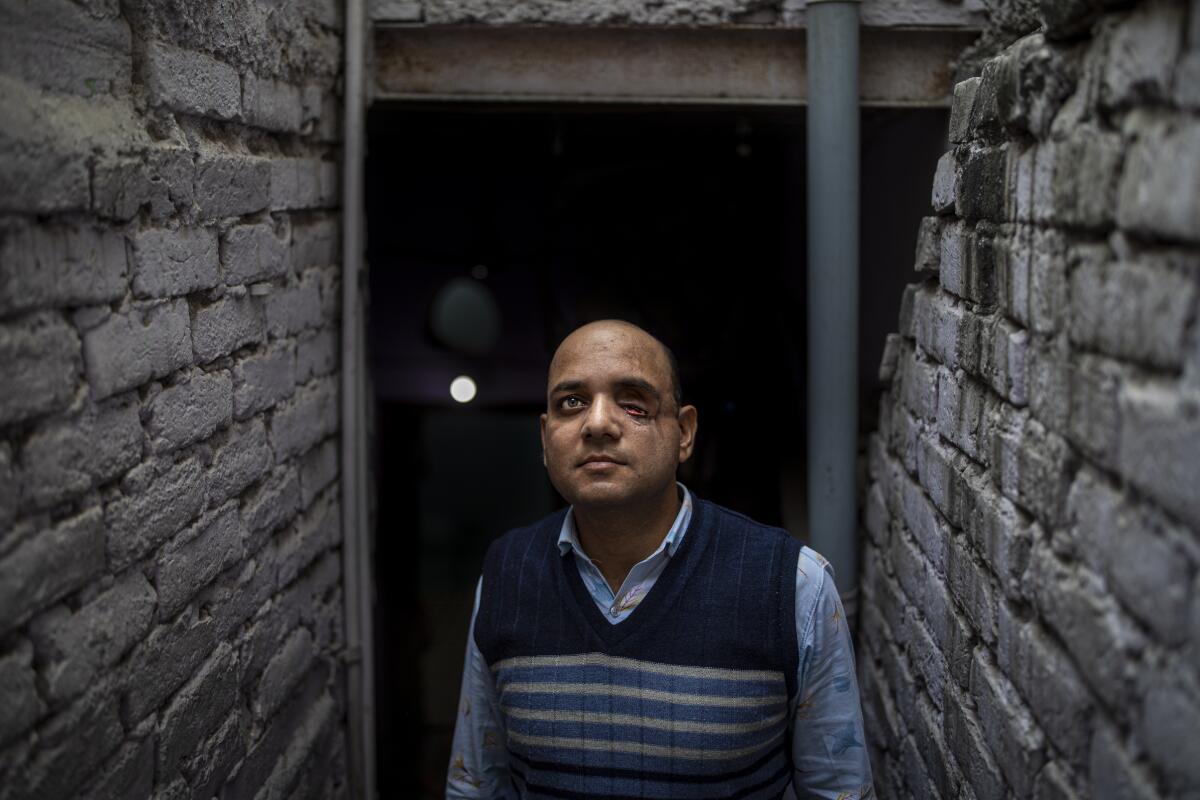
(644,642)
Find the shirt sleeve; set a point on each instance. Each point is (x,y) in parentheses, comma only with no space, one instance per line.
(478,757)
(829,751)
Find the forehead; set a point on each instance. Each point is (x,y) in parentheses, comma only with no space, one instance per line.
(605,354)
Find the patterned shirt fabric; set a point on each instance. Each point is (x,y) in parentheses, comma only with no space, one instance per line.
(829,756)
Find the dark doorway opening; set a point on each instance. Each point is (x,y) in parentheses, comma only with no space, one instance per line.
(687,221)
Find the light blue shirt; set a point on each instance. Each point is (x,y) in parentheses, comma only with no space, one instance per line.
(828,744)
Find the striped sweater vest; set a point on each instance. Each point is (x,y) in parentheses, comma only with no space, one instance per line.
(686,698)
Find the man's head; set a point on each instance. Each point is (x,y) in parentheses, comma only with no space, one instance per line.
(613,392)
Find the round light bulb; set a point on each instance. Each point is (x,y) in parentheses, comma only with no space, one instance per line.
(462,389)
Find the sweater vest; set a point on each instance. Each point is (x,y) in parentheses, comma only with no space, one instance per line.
(688,697)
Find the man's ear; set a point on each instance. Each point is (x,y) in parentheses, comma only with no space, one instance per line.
(687,432)
(542,420)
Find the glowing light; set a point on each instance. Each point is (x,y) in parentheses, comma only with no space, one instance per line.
(462,389)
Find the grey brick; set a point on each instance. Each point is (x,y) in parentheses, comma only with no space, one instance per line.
(308,699)
(1004,360)
(51,174)
(1048,377)
(1033,81)
(919,387)
(305,419)
(971,586)
(1034,287)
(1095,416)
(237,595)
(59,46)
(1049,683)
(945,184)
(928,660)
(128,774)
(255,252)
(316,354)
(215,759)
(9,487)
(318,529)
(168,657)
(231,184)
(1087,166)
(169,262)
(18,693)
(910,567)
(1141,55)
(263,379)
(961,108)
(1166,719)
(1032,466)
(982,183)
(926,524)
(241,459)
(970,750)
(943,472)
(1187,80)
(71,746)
(950,630)
(298,183)
(272,104)
(197,557)
(131,348)
(1160,445)
(1138,311)
(59,265)
(40,354)
(297,308)
(927,732)
(75,648)
(50,565)
(191,82)
(1052,782)
(221,327)
(1076,606)
(947,329)
(198,709)
(1008,728)
(1000,533)
(960,413)
(158,180)
(883,723)
(318,469)
(916,776)
(1157,191)
(315,244)
(284,672)
(313,736)
(875,513)
(985,115)
(189,411)
(1113,774)
(139,523)
(66,457)
(271,504)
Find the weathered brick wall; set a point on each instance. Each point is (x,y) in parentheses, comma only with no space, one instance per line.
(170,580)
(1031,615)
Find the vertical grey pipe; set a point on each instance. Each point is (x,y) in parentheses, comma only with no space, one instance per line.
(356,550)
(833,204)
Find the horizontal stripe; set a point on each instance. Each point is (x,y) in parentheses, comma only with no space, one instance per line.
(615,662)
(780,777)
(638,748)
(683,698)
(689,777)
(673,725)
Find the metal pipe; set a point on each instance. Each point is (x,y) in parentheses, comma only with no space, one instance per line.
(356,549)
(833,209)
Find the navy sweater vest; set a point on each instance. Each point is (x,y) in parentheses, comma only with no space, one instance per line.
(688,697)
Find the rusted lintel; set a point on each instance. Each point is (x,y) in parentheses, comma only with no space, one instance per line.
(604,65)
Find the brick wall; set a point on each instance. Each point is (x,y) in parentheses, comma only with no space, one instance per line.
(1031,615)
(170,580)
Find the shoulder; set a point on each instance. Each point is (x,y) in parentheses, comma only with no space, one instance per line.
(520,543)
(814,583)
(726,519)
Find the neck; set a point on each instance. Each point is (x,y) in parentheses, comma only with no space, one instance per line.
(616,539)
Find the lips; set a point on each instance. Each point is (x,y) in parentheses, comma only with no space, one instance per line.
(599,459)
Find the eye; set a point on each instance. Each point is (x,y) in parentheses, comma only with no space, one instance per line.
(637,411)
(563,402)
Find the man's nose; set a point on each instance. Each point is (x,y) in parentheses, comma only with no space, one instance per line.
(601,418)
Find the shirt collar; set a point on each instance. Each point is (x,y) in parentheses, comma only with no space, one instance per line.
(568,539)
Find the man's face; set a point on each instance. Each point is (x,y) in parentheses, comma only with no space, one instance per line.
(609,397)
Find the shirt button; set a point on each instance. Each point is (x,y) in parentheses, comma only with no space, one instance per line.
(614,611)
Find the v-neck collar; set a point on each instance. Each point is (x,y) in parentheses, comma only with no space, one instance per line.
(660,597)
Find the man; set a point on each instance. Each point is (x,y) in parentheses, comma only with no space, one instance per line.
(646,642)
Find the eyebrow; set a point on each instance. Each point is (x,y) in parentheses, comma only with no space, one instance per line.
(626,382)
